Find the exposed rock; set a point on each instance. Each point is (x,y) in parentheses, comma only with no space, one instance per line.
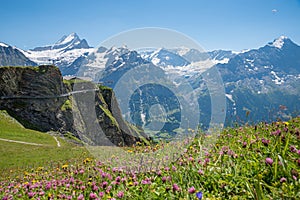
(40,99)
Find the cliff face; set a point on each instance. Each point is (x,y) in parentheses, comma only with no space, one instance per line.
(40,99)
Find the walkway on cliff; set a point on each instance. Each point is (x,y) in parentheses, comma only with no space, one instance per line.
(48,97)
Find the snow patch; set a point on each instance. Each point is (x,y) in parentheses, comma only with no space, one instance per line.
(3,45)
(229,96)
(277,80)
(223,61)
(279,42)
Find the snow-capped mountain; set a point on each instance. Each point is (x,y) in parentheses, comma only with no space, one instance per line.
(255,80)
(62,53)
(261,80)
(11,56)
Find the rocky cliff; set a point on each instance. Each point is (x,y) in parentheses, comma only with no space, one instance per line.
(40,99)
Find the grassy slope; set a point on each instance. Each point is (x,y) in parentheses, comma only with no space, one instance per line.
(14,155)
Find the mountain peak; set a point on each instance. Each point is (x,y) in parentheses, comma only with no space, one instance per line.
(279,42)
(3,44)
(67,39)
(67,42)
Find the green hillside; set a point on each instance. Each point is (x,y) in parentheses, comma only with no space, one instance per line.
(42,148)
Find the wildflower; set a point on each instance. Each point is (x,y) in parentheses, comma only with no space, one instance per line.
(64,167)
(175,187)
(282,180)
(104,184)
(191,159)
(31,194)
(286,123)
(244,144)
(265,142)
(101,194)
(293,149)
(95,188)
(276,133)
(192,190)
(118,179)
(200,172)
(199,195)
(173,168)
(80,197)
(120,194)
(164,179)
(159,173)
(93,196)
(269,161)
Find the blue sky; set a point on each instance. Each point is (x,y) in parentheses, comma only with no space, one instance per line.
(214,24)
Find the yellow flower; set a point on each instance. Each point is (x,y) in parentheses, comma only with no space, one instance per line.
(87,160)
(286,123)
(40,169)
(65,166)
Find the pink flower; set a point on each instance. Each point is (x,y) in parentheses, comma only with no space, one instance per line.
(293,149)
(200,172)
(275,133)
(93,196)
(104,184)
(174,168)
(265,142)
(101,194)
(269,161)
(282,180)
(80,197)
(31,194)
(120,194)
(175,187)
(192,190)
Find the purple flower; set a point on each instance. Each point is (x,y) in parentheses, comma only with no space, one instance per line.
(93,196)
(95,188)
(200,172)
(269,161)
(265,142)
(293,149)
(199,195)
(175,187)
(120,194)
(118,179)
(244,144)
(80,197)
(192,190)
(164,179)
(282,180)
(159,173)
(31,194)
(173,168)
(101,194)
(104,184)
(275,133)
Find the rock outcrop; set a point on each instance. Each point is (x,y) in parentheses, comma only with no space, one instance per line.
(40,99)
